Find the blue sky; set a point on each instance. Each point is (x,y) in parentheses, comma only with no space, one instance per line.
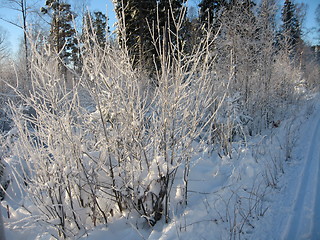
(15,34)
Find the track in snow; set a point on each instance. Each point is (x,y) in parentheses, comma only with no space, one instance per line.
(304,220)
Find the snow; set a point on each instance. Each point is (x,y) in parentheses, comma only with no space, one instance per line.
(304,221)
(267,189)
(295,206)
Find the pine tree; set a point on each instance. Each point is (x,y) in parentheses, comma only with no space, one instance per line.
(62,34)
(94,34)
(100,28)
(210,10)
(192,27)
(291,30)
(134,19)
(170,11)
(95,27)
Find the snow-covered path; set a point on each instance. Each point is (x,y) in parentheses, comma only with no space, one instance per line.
(304,217)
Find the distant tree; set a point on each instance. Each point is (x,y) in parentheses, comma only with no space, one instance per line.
(236,47)
(95,26)
(192,30)
(87,27)
(318,21)
(100,27)
(291,27)
(94,34)
(266,29)
(135,18)
(210,10)
(62,34)
(171,14)
(264,64)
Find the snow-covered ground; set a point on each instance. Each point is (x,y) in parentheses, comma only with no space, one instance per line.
(295,212)
(304,221)
(269,189)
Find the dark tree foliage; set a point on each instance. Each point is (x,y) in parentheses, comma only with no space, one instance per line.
(87,26)
(317,12)
(100,28)
(210,10)
(170,11)
(136,19)
(144,24)
(62,34)
(95,26)
(192,28)
(94,34)
(291,30)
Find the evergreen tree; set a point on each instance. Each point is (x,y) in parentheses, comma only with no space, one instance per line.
(291,31)
(210,10)
(62,34)
(170,11)
(94,34)
(100,28)
(317,12)
(95,27)
(134,19)
(192,27)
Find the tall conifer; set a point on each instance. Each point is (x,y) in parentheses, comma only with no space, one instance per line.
(135,18)
(62,33)
(100,27)
(210,10)
(291,30)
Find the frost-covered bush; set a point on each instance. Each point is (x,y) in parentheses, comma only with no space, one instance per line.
(80,167)
(230,124)
(149,130)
